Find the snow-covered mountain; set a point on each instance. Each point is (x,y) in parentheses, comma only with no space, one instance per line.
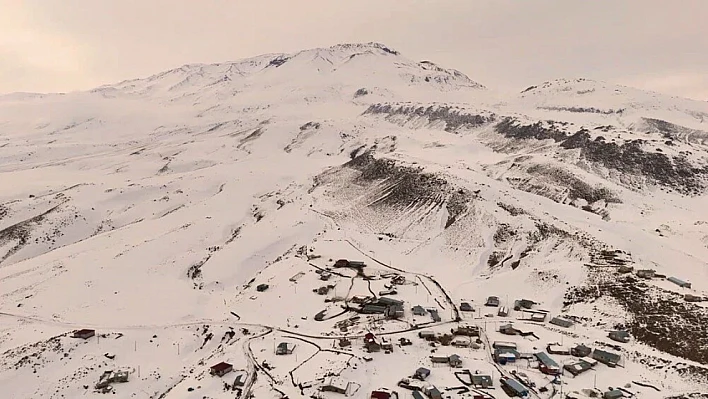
(151,210)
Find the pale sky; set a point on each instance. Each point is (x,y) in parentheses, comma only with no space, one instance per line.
(64,45)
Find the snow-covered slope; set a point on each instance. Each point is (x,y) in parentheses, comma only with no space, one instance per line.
(152,209)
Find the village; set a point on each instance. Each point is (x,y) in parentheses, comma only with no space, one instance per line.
(392,334)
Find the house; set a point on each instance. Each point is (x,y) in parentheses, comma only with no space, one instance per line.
(468,331)
(84,333)
(513,388)
(578,367)
(419,310)
(580,351)
(679,282)
(434,315)
(547,365)
(613,394)
(261,287)
(433,392)
(693,298)
(608,358)
(389,302)
(504,345)
(421,374)
(508,329)
(284,348)
(394,311)
(380,395)
(506,355)
(492,301)
(461,342)
(335,384)
(503,311)
(646,273)
(454,361)
(466,307)
(557,349)
(523,304)
(481,381)
(557,321)
(619,336)
(221,369)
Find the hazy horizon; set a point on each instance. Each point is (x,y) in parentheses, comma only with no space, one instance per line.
(67,45)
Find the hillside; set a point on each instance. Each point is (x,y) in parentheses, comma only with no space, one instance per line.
(151,211)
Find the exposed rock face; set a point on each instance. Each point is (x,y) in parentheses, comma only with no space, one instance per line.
(675,172)
(453,118)
(410,187)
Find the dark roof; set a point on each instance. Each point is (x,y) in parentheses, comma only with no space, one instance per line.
(546,360)
(514,385)
(84,331)
(604,355)
(221,366)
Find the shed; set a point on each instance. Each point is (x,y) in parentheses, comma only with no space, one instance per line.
(419,310)
(503,311)
(240,380)
(261,287)
(469,331)
(613,394)
(357,264)
(580,351)
(284,348)
(608,358)
(619,336)
(380,395)
(426,334)
(508,329)
(523,304)
(492,301)
(561,322)
(341,263)
(538,317)
(455,361)
(433,393)
(482,381)
(221,369)
(434,315)
(679,282)
(84,333)
(438,359)
(646,273)
(422,373)
(466,307)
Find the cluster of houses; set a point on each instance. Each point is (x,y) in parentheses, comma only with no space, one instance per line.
(649,274)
